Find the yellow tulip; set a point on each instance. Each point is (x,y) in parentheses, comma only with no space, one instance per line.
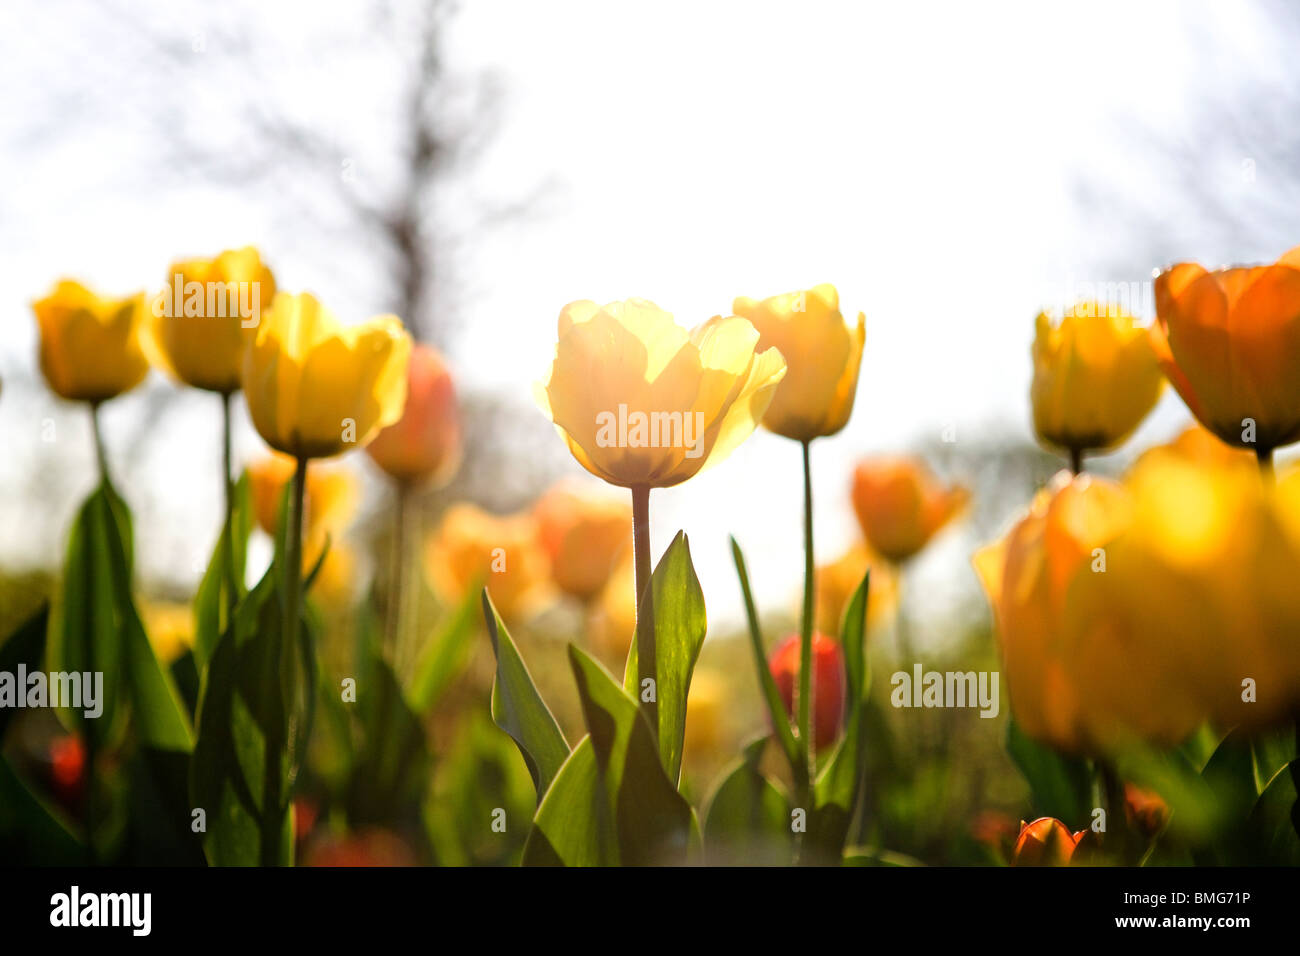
(204,320)
(837,581)
(472,547)
(316,389)
(822,358)
(170,627)
(1095,378)
(642,402)
(90,346)
(1137,611)
(901,505)
(585,536)
(1229,341)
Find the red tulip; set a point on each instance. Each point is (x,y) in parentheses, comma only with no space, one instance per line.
(827,683)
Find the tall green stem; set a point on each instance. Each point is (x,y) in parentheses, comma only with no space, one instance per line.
(806,632)
(228,488)
(396,573)
(276,800)
(1116,820)
(100,455)
(647,665)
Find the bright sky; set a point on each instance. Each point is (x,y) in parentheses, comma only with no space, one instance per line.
(922,157)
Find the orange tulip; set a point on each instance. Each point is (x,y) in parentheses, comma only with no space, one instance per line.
(900,505)
(424,445)
(1045,842)
(1229,340)
(328,504)
(585,535)
(472,548)
(827,683)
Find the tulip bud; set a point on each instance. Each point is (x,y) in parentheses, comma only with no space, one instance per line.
(1145,811)
(901,506)
(424,445)
(1045,842)
(827,683)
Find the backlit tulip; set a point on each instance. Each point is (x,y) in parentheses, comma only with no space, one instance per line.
(837,581)
(1095,378)
(473,548)
(1229,340)
(827,683)
(822,357)
(641,401)
(585,535)
(203,321)
(90,347)
(1045,842)
(901,505)
(328,504)
(423,446)
(316,389)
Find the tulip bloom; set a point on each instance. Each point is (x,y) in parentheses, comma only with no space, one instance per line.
(329,501)
(423,447)
(1229,340)
(316,389)
(822,358)
(90,346)
(1045,842)
(827,683)
(584,535)
(205,319)
(643,403)
(473,548)
(1095,379)
(837,581)
(901,506)
(1145,810)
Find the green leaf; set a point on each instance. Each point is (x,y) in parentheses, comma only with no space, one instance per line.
(1271,822)
(840,783)
(574,825)
(26,647)
(680,624)
(214,597)
(445,657)
(100,631)
(251,731)
(748,817)
(777,716)
(653,821)
(519,710)
(31,833)
(1059,786)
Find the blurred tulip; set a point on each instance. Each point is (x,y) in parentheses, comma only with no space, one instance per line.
(423,447)
(643,402)
(1199,446)
(316,389)
(369,847)
(1229,340)
(472,548)
(998,831)
(200,339)
(68,771)
(170,627)
(611,619)
(827,681)
(1045,842)
(90,346)
(837,581)
(1145,811)
(585,536)
(705,705)
(328,505)
(1095,378)
(822,358)
(901,506)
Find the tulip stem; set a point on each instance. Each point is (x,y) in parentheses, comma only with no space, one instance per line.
(1116,822)
(1076,461)
(647,665)
(1265,458)
(100,455)
(276,800)
(395,572)
(806,631)
(232,583)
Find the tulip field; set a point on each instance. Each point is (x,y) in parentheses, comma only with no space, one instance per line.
(748,498)
(1143,642)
